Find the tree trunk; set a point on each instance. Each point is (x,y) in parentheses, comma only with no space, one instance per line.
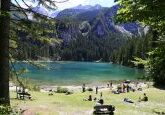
(4,52)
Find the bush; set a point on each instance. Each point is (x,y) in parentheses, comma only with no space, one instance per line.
(89,89)
(28,84)
(7,110)
(61,90)
(69,93)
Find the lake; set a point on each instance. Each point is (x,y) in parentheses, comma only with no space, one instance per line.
(76,73)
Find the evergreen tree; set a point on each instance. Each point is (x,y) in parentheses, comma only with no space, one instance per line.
(6,6)
(151,13)
(4,51)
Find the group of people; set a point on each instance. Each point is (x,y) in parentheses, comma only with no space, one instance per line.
(127,87)
(144,98)
(22,93)
(98,101)
(84,89)
(109,85)
(121,89)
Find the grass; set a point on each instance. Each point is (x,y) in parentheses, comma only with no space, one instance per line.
(61,104)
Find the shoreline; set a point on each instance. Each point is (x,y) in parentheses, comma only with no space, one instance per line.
(72,87)
(101,86)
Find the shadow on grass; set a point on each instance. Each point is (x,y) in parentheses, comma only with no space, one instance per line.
(22,99)
(162,87)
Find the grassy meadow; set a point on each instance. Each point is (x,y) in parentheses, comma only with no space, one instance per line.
(61,104)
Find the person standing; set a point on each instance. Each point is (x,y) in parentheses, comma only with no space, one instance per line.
(101,95)
(96,89)
(127,87)
(123,87)
(107,85)
(111,85)
(83,88)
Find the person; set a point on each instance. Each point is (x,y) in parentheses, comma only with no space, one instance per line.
(128,100)
(96,89)
(111,85)
(119,89)
(101,101)
(145,98)
(108,85)
(101,94)
(24,94)
(123,88)
(95,99)
(50,92)
(89,98)
(127,87)
(83,88)
(115,92)
(139,89)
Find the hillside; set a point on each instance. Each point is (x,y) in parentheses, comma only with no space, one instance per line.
(89,33)
(94,29)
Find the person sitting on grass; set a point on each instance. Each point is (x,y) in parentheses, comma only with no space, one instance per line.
(145,98)
(95,99)
(50,92)
(100,102)
(89,99)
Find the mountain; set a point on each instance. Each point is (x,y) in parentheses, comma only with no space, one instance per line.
(100,19)
(78,10)
(90,13)
(88,7)
(54,14)
(90,33)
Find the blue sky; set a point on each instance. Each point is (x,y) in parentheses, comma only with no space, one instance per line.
(73,3)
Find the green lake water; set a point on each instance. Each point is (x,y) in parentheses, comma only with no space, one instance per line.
(76,73)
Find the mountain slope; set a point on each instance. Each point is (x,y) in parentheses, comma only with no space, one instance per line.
(100,20)
(90,33)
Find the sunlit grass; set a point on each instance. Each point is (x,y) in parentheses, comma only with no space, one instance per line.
(71,104)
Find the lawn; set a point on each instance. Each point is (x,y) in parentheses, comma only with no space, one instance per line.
(61,104)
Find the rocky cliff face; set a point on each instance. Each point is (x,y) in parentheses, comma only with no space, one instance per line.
(90,33)
(96,20)
(100,19)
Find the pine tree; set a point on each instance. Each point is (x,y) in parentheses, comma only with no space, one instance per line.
(149,13)
(6,7)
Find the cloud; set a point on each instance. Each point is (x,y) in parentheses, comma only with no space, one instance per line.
(70,3)
(73,3)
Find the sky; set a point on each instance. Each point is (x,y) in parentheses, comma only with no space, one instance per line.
(73,3)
